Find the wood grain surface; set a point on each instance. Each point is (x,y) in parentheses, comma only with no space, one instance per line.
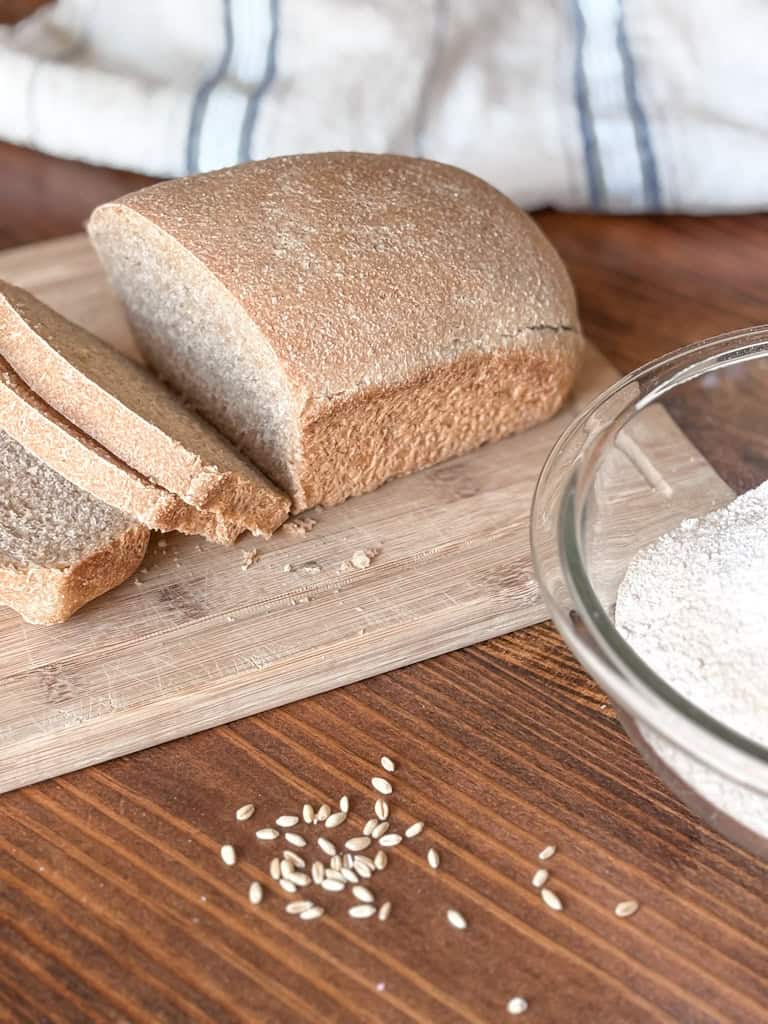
(451,565)
(115,905)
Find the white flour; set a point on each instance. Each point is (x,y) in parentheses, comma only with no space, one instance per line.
(694,605)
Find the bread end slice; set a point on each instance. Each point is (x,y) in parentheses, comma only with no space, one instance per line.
(49,594)
(59,547)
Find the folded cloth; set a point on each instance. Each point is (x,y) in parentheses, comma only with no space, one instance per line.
(622,105)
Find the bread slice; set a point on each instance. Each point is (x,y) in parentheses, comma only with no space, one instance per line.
(132,414)
(345,317)
(85,463)
(59,547)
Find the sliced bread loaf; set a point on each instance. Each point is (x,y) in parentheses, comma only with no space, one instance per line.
(345,317)
(59,547)
(85,463)
(128,411)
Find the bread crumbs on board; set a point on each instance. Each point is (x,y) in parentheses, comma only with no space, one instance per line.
(361,559)
(299,527)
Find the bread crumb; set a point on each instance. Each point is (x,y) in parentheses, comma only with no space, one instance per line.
(249,557)
(287,567)
(361,559)
(310,567)
(162,543)
(137,582)
(301,526)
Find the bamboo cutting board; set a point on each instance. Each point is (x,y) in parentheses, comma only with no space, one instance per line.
(200,638)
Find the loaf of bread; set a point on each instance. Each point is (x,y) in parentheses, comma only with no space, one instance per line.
(84,462)
(129,412)
(342,317)
(59,547)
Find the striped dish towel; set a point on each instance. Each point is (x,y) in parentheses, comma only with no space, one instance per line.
(622,105)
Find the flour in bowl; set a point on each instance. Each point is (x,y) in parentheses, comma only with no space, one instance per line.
(694,606)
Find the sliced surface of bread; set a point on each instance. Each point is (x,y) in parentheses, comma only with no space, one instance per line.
(59,547)
(84,462)
(132,414)
(345,317)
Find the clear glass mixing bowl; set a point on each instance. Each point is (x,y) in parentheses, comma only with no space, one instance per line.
(679,437)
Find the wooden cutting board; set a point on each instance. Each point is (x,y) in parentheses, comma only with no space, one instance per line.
(198,638)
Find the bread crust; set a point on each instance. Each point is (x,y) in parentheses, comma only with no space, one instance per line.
(45,595)
(478,398)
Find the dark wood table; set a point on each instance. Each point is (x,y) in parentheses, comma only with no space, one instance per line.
(115,905)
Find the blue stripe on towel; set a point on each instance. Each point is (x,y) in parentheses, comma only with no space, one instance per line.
(651,187)
(200,101)
(254,100)
(595,182)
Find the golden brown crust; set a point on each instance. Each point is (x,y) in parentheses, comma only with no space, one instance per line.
(368,265)
(478,398)
(46,595)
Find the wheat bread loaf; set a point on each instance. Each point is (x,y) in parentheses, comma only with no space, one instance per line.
(129,412)
(59,547)
(345,317)
(84,462)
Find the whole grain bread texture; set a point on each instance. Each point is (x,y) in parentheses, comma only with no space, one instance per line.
(84,462)
(59,547)
(345,317)
(128,411)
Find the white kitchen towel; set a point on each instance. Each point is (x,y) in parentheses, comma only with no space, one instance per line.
(622,105)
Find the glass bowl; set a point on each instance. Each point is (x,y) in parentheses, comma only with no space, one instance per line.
(674,440)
